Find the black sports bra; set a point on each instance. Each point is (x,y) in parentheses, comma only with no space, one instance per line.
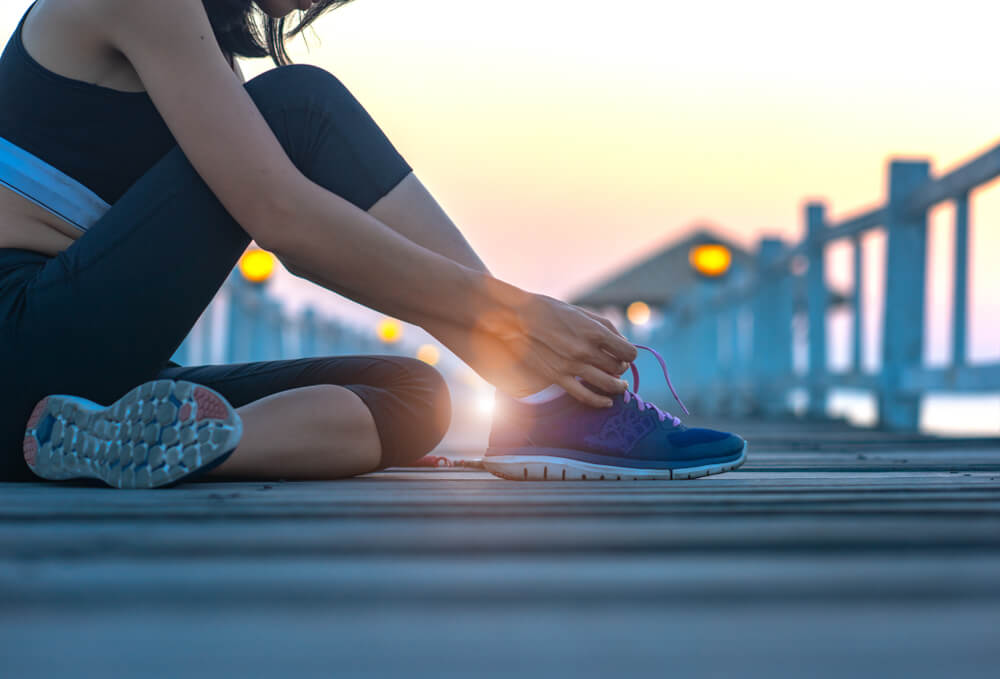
(103,138)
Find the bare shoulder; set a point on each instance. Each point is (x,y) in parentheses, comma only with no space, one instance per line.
(70,37)
(89,21)
(159,23)
(106,17)
(174,51)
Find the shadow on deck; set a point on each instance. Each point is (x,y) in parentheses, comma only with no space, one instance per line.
(833,551)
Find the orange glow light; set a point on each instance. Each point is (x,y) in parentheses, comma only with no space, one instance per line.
(711,260)
(638,313)
(389,330)
(257,265)
(429,354)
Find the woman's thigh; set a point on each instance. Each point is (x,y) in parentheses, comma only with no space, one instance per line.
(110,310)
(107,313)
(408,399)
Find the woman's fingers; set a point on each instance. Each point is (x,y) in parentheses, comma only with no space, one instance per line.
(608,363)
(564,342)
(602,380)
(554,367)
(577,390)
(603,321)
(618,346)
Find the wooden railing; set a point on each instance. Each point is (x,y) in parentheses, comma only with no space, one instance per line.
(732,344)
(253,325)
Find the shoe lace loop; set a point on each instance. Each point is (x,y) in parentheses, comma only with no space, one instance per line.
(642,404)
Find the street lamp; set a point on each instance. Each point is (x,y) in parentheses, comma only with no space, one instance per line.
(711,259)
(638,313)
(429,354)
(389,330)
(257,265)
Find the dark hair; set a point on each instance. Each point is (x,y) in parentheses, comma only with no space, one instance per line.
(243,29)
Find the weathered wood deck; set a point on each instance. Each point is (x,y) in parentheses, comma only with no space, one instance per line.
(832,552)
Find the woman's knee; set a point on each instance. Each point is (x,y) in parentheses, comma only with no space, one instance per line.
(294,85)
(327,133)
(421,414)
(437,404)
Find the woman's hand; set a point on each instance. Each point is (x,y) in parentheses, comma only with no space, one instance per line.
(561,342)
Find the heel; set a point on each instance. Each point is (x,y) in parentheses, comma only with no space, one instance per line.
(31,442)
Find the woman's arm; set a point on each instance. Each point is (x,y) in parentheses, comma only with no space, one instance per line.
(226,138)
(229,143)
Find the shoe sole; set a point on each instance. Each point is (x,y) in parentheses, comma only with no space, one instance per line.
(550,468)
(157,434)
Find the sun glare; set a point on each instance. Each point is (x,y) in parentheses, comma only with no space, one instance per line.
(485,403)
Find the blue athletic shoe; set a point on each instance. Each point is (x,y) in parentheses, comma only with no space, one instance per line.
(564,439)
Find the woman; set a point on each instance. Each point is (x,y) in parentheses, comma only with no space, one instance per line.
(139,167)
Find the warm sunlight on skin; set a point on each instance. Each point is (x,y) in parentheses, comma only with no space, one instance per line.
(485,402)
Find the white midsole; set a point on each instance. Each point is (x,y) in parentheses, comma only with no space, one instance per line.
(550,468)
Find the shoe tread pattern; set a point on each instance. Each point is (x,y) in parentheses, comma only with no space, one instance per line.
(155,435)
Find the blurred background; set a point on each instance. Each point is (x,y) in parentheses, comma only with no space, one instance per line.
(571,141)
(680,167)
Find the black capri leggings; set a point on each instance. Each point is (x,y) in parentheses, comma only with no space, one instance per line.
(108,312)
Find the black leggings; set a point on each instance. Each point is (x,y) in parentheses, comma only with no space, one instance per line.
(108,312)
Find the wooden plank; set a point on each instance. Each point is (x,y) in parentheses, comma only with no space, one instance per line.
(547,532)
(799,555)
(883,638)
(358,581)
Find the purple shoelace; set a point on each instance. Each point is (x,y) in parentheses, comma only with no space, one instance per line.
(634,391)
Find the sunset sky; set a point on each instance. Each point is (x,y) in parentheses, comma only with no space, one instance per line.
(567,138)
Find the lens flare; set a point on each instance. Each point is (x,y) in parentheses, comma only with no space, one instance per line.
(486,402)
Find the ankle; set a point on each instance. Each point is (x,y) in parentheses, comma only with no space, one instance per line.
(535,395)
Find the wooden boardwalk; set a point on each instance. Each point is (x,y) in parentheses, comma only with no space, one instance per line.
(832,552)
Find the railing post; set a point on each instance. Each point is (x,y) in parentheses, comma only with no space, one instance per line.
(307,340)
(816,303)
(960,302)
(269,339)
(772,328)
(903,333)
(239,328)
(706,358)
(857,306)
(208,332)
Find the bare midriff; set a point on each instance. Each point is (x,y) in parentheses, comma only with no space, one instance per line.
(27,226)
(54,37)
